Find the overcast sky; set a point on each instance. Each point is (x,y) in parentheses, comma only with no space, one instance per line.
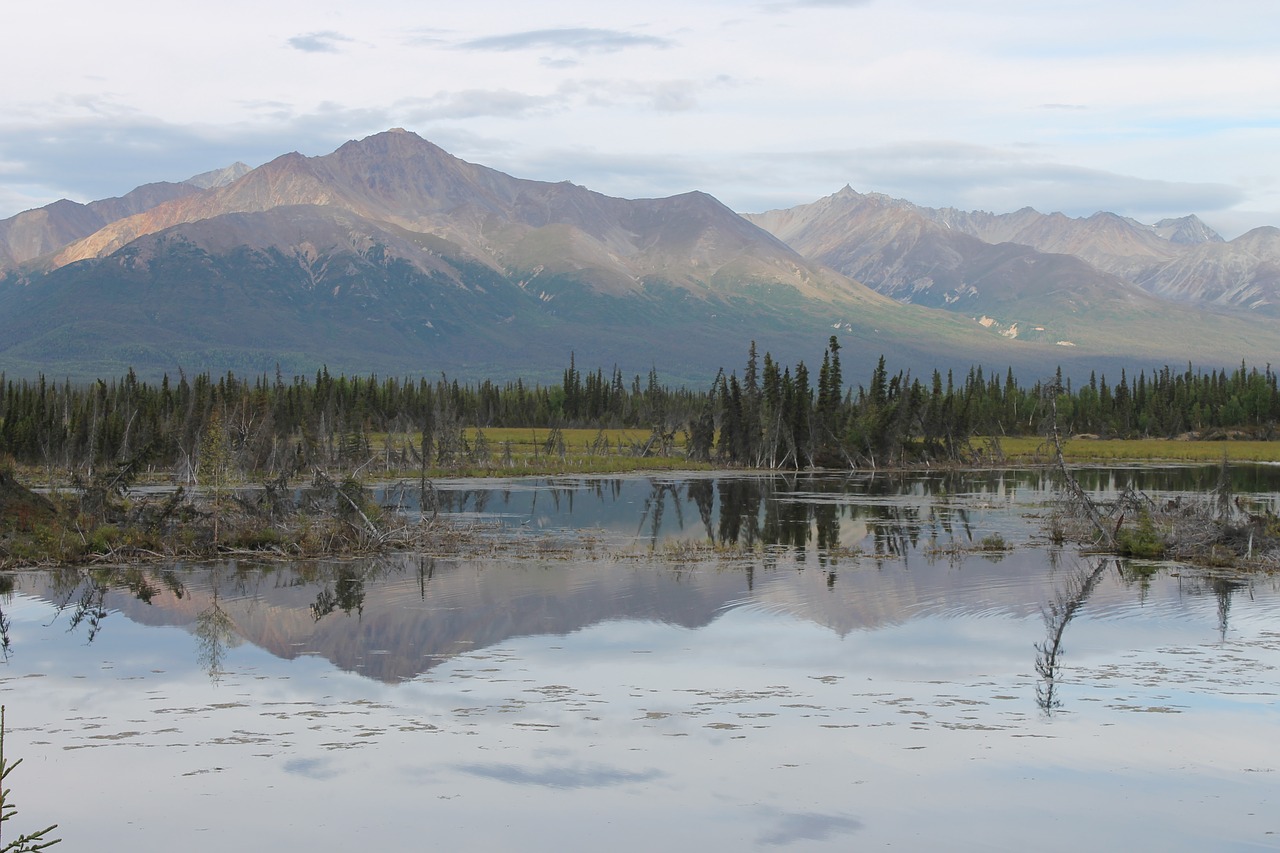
(1148,109)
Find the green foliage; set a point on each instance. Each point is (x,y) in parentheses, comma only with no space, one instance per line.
(993,542)
(219,430)
(1141,540)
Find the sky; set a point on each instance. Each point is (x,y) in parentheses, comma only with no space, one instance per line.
(1147,109)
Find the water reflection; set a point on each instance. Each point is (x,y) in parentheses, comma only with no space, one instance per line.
(891,516)
(875,541)
(215,630)
(521,702)
(6,590)
(1069,597)
(395,619)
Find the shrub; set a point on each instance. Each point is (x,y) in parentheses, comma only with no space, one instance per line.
(993,542)
(1141,541)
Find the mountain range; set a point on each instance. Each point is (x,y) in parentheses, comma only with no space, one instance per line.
(390,255)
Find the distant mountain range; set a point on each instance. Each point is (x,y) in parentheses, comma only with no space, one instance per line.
(391,255)
(921,254)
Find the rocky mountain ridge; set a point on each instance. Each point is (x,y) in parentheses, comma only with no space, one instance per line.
(390,254)
(1179,260)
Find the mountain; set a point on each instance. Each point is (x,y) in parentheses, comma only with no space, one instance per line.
(391,255)
(901,251)
(1186,230)
(938,258)
(1177,259)
(540,229)
(1244,273)
(219,177)
(33,233)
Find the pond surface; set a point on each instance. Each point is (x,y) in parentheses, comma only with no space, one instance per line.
(716,663)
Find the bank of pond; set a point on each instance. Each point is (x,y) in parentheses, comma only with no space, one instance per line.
(1219,515)
(769,416)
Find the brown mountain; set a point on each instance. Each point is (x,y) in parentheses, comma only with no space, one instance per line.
(1244,273)
(1112,243)
(1047,278)
(511,225)
(33,233)
(390,254)
(1182,259)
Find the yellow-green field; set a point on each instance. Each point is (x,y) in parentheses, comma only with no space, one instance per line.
(1033,449)
(518,451)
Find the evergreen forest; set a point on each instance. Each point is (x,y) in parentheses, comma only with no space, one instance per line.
(768,415)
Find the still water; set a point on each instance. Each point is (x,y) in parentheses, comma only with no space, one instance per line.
(680,663)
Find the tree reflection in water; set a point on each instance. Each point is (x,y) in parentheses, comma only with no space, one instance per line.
(1058,613)
(215,632)
(345,592)
(6,594)
(82,592)
(1223,589)
(655,506)
(791,513)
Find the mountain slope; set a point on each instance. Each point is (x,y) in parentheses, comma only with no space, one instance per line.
(1176,259)
(391,255)
(33,233)
(1244,273)
(513,225)
(308,285)
(930,257)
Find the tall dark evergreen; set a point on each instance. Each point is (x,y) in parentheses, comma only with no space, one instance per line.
(768,419)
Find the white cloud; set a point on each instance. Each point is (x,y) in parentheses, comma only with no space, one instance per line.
(322,42)
(1074,106)
(474,103)
(573,39)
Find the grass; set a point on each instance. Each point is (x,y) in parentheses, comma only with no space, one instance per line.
(522,451)
(1031,449)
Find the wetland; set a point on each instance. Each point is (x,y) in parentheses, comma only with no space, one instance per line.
(739,661)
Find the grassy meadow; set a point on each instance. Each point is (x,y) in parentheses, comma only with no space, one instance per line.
(1033,450)
(517,451)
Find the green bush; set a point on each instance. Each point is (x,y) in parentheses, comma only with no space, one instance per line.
(993,542)
(1141,541)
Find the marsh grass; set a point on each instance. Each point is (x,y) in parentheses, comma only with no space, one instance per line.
(1032,450)
(532,451)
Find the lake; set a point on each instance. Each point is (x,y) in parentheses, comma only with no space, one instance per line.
(715,662)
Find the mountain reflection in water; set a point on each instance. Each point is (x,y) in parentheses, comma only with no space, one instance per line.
(901,548)
(761,661)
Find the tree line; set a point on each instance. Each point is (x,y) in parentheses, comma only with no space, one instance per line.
(772,416)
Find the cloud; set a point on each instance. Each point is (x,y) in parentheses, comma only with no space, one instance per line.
(626,175)
(791,5)
(474,103)
(560,777)
(975,177)
(312,768)
(17,199)
(673,97)
(92,158)
(100,156)
(327,41)
(808,826)
(576,40)
(668,96)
